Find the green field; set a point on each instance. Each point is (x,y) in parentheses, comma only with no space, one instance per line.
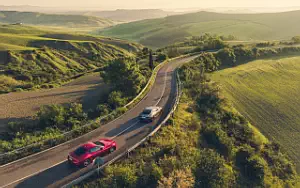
(267,93)
(165,31)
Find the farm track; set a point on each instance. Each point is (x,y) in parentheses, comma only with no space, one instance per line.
(19,106)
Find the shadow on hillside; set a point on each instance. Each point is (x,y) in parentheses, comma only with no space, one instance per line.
(275,58)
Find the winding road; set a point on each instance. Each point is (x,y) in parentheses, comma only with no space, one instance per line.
(50,168)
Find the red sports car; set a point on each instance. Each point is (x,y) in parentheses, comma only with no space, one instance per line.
(85,154)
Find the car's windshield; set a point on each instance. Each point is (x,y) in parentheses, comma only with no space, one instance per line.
(147,111)
(99,143)
(80,151)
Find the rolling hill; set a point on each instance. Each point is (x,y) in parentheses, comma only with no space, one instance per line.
(164,31)
(130,15)
(266,92)
(71,21)
(46,59)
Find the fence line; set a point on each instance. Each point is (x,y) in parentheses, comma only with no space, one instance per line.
(96,170)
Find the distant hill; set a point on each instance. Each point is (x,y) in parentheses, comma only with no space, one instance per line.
(131,15)
(35,18)
(165,31)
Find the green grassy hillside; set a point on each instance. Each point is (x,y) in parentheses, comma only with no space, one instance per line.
(36,60)
(267,93)
(164,31)
(130,15)
(71,21)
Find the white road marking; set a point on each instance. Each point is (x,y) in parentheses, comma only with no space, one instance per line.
(125,130)
(164,89)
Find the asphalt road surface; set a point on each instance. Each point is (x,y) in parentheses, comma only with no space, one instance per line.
(50,168)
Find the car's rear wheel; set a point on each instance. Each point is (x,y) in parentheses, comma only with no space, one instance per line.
(87,162)
(112,149)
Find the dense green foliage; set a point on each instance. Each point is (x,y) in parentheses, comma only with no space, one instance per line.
(51,122)
(165,31)
(205,42)
(124,75)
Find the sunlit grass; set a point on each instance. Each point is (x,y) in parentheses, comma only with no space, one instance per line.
(267,93)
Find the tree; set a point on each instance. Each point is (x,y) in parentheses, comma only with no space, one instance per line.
(151,62)
(52,115)
(296,39)
(212,172)
(124,75)
(145,51)
(227,56)
(210,62)
(116,100)
(161,57)
(178,179)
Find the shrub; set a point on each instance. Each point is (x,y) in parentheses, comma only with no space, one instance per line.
(102,110)
(178,179)
(215,136)
(161,57)
(115,99)
(118,176)
(124,75)
(212,172)
(52,115)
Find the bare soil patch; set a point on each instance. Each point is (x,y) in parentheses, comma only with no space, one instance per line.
(19,106)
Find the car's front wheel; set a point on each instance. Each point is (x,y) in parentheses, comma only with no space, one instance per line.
(87,162)
(112,149)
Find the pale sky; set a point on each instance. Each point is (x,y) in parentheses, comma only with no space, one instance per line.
(166,4)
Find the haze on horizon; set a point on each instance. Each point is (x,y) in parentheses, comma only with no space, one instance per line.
(152,4)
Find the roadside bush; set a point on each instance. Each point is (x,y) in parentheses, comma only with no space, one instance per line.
(215,136)
(161,57)
(182,178)
(102,110)
(116,99)
(60,116)
(212,172)
(124,75)
(118,176)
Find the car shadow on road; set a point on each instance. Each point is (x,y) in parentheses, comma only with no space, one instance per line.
(48,176)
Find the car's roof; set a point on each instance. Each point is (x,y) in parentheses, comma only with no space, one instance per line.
(151,108)
(89,145)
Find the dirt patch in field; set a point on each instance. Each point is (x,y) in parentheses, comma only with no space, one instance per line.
(18,106)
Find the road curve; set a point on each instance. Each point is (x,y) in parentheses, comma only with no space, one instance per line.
(50,169)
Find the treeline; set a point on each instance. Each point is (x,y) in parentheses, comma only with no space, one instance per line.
(232,56)
(205,42)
